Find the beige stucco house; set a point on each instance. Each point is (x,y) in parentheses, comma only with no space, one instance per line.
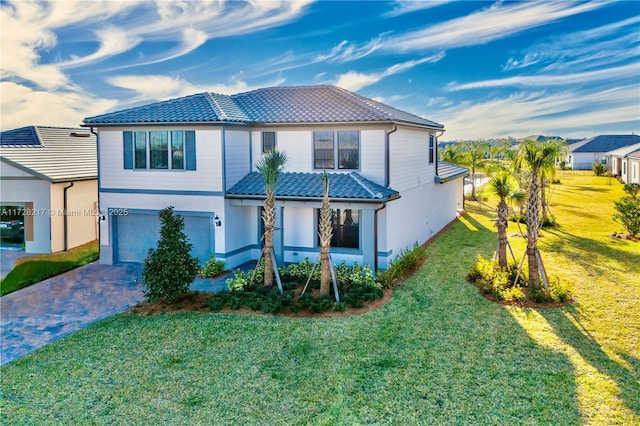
(49,184)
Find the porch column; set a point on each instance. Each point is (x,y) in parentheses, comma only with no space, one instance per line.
(367,223)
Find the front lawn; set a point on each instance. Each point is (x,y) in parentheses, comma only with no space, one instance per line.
(437,353)
(32,269)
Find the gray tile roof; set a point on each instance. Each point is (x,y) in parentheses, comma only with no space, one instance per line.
(54,154)
(448,171)
(291,185)
(606,143)
(273,105)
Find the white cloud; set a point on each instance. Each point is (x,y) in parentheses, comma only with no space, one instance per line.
(23,106)
(495,22)
(353,80)
(162,87)
(568,113)
(402,7)
(605,74)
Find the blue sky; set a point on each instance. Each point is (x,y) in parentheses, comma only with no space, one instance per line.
(483,69)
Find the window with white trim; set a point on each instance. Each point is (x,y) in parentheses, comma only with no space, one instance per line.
(345,155)
(268,141)
(432,148)
(159,150)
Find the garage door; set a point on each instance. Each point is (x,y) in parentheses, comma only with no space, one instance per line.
(137,233)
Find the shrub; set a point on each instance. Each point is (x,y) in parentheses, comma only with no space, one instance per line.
(491,279)
(212,268)
(632,189)
(599,169)
(169,269)
(239,280)
(406,260)
(628,214)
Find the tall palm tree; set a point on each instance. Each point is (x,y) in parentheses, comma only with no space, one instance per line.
(503,186)
(270,165)
(534,155)
(451,154)
(325,233)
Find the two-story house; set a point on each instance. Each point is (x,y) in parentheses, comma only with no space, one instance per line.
(198,154)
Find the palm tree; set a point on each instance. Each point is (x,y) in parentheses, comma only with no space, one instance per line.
(535,156)
(503,186)
(270,165)
(451,154)
(473,156)
(325,233)
(557,149)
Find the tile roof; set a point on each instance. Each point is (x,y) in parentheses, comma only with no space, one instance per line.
(272,105)
(24,136)
(447,172)
(55,154)
(292,185)
(634,154)
(606,143)
(624,151)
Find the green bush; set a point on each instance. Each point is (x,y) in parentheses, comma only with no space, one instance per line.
(407,260)
(599,169)
(169,269)
(212,268)
(491,279)
(356,286)
(628,214)
(632,189)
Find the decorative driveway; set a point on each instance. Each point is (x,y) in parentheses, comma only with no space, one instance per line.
(37,315)
(42,313)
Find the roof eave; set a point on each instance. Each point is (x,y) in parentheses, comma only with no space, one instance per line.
(318,199)
(439,179)
(165,123)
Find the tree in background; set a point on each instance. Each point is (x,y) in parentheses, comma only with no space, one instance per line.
(169,269)
(451,154)
(557,149)
(270,166)
(474,157)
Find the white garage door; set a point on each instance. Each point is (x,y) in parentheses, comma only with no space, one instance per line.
(137,233)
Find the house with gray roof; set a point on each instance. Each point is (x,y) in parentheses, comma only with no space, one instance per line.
(198,154)
(623,163)
(49,187)
(582,154)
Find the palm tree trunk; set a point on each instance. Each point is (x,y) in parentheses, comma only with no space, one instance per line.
(501,224)
(533,225)
(269,218)
(325,233)
(543,200)
(325,271)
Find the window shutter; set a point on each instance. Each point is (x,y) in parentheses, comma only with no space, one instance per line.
(127,149)
(190,149)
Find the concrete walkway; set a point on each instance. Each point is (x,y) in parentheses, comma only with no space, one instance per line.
(8,256)
(42,313)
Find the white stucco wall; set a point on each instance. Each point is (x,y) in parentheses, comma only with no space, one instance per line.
(82,199)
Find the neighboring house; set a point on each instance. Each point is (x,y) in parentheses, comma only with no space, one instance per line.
(618,162)
(48,178)
(633,167)
(198,154)
(583,154)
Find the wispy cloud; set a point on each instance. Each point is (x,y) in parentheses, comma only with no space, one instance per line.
(609,74)
(20,104)
(346,52)
(354,80)
(402,7)
(495,22)
(581,50)
(542,112)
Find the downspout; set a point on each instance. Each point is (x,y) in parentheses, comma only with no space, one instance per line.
(66,216)
(375,237)
(436,151)
(387,151)
(98,215)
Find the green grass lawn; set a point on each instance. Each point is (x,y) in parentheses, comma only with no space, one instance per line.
(437,353)
(32,269)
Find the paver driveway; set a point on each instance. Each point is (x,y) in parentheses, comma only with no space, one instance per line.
(37,315)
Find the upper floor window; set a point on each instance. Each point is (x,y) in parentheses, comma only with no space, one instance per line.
(164,150)
(268,141)
(432,148)
(345,155)
(346,228)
